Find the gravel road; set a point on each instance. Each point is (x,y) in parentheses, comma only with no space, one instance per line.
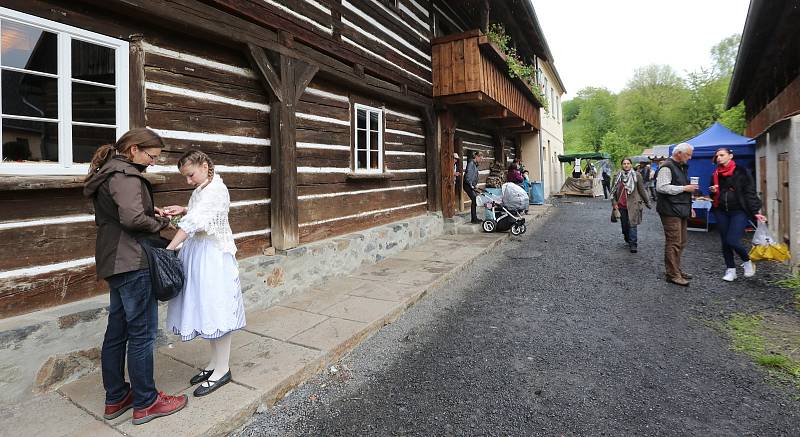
(563,332)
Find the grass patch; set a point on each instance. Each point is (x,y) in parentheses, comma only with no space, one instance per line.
(750,336)
(792,283)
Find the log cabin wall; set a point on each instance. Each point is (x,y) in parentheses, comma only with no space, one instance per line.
(332,199)
(207,98)
(205,94)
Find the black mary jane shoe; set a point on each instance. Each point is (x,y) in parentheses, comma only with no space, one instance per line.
(208,386)
(200,377)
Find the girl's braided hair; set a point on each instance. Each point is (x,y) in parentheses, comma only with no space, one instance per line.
(196,157)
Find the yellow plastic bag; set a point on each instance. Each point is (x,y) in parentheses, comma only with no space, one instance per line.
(771,252)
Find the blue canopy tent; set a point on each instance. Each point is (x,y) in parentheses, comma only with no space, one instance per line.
(706,144)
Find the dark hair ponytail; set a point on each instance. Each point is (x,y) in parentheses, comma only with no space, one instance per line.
(101,157)
(142,137)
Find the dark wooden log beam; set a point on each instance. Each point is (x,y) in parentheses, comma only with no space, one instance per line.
(199,19)
(286,84)
(463,99)
(513,123)
(448,122)
(431,152)
(489,113)
(136,83)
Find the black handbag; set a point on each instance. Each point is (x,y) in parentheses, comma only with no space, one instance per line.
(166,270)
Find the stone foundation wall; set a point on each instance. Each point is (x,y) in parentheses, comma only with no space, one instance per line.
(43,350)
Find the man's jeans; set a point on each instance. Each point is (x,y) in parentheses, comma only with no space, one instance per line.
(629,232)
(132,321)
(675,238)
(731,231)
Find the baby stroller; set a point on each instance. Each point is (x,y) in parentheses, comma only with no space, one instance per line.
(505,212)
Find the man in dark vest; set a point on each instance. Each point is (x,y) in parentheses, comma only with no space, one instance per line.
(675,207)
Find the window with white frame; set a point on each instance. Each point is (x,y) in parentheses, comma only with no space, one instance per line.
(368,139)
(64,92)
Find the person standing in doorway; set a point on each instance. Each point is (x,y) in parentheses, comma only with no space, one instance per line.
(675,207)
(124,213)
(471,183)
(735,203)
(628,196)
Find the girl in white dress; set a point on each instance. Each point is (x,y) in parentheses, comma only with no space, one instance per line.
(210,305)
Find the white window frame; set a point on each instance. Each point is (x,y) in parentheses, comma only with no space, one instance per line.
(65,35)
(369,109)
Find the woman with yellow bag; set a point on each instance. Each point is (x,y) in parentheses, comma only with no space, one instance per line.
(735,203)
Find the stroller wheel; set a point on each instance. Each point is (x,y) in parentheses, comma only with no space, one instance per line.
(489,225)
(517,229)
(524,229)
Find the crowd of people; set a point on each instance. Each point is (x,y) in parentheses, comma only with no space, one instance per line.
(735,205)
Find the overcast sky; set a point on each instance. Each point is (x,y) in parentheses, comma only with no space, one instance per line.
(601,42)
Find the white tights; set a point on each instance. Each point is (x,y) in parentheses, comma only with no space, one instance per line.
(220,355)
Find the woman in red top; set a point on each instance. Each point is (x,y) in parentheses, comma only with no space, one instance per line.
(735,203)
(628,196)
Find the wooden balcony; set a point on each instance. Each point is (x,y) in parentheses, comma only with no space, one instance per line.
(469,70)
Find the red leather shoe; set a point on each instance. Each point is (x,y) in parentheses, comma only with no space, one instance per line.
(164,405)
(115,410)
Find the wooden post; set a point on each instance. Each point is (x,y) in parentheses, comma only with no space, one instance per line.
(136,91)
(459,190)
(484,24)
(449,124)
(431,163)
(286,85)
(499,151)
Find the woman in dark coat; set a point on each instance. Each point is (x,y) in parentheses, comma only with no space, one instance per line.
(735,204)
(628,196)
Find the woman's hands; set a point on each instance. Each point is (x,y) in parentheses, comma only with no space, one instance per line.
(761,218)
(174,210)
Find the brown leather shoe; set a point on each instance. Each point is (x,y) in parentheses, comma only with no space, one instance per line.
(678,281)
(115,410)
(686,276)
(164,405)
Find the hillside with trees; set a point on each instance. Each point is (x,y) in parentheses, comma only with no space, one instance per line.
(657,106)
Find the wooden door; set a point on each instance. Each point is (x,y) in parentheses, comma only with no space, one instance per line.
(783,196)
(764,192)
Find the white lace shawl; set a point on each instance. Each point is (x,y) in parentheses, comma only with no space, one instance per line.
(208,215)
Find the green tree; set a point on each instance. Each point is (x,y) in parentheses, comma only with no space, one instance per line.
(597,115)
(734,119)
(571,108)
(619,146)
(723,55)
(649,108)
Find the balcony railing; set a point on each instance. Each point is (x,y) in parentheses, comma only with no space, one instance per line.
(469,70)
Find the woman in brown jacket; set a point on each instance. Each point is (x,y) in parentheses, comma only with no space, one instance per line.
(124,212)
(628,195)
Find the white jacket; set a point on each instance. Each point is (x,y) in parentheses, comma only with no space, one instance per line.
(207,215)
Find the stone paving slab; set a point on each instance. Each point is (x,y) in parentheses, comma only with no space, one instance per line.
(170,375)
(316,299)
(282,322)
(50,415)
(361,309)
(403,271)
(329,334)
(279,349)
(391,291)
(213,415)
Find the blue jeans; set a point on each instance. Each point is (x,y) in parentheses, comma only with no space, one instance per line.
(132,322)
(731,230)
(628,231)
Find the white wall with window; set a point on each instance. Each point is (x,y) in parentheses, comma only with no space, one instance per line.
(64,92)
(368,139)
